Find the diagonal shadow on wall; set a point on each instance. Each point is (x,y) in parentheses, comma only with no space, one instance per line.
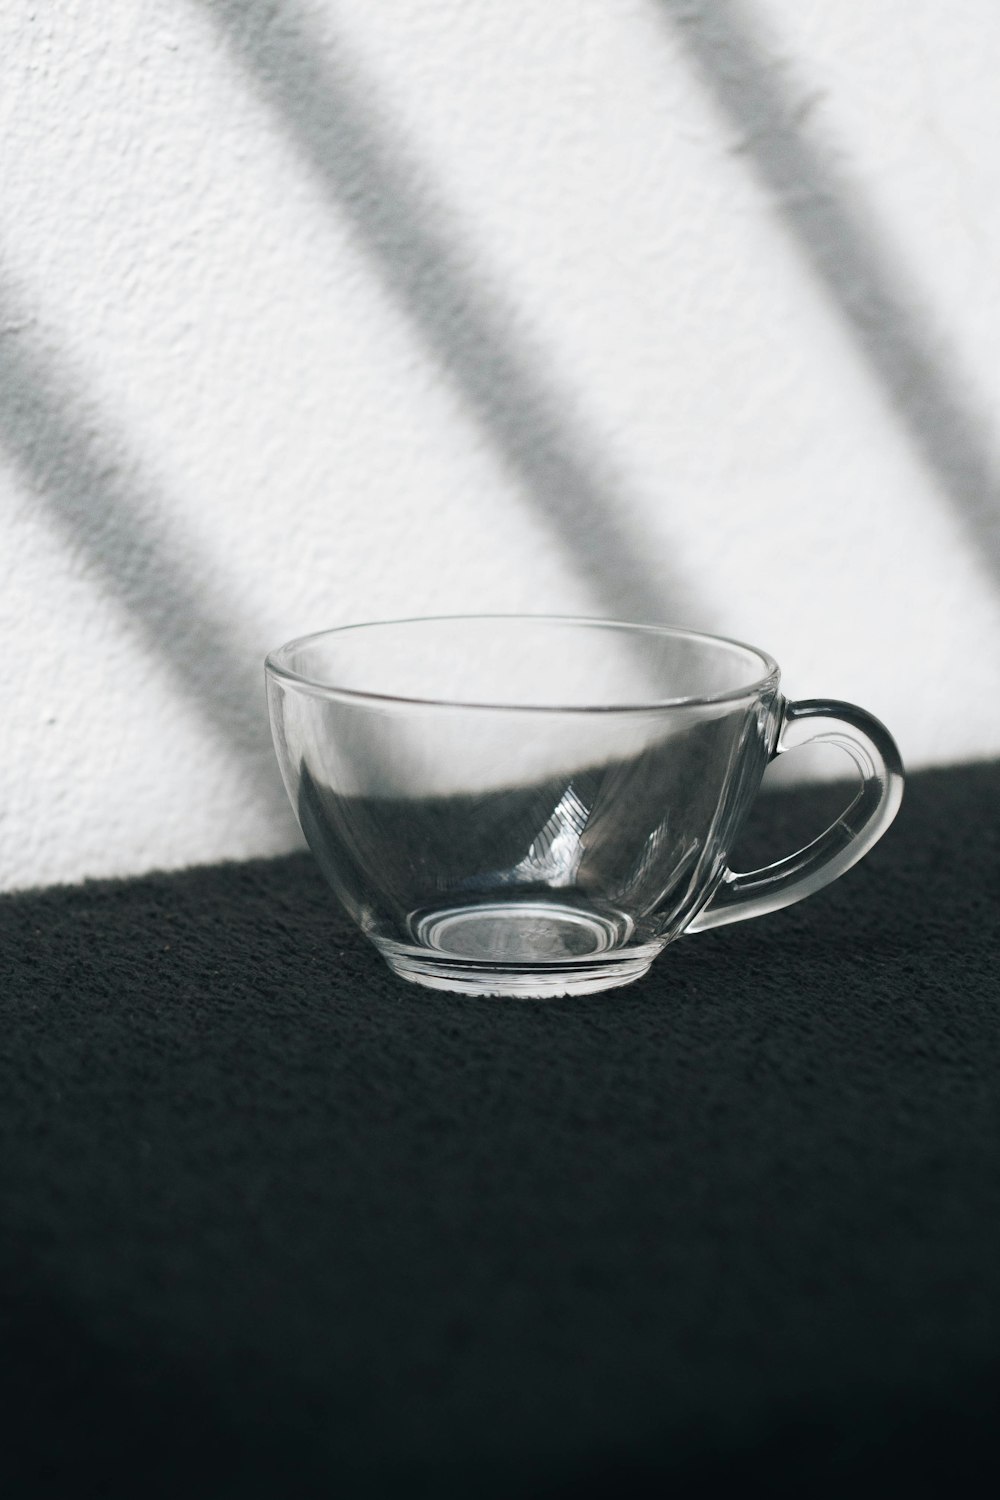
(112,515)
(468,326)
(835,231)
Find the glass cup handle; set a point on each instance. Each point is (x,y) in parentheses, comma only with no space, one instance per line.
(874,752)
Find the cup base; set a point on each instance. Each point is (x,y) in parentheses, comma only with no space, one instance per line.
(531,949)
(519,985)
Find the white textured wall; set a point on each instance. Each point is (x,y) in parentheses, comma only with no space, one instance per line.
(317,310)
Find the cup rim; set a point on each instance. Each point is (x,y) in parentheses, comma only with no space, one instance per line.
(277,668)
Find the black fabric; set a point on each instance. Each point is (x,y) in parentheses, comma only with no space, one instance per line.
(273,1222)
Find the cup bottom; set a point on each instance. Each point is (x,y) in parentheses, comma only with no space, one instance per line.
(519,948)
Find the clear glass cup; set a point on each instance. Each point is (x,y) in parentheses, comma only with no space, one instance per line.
(531,806)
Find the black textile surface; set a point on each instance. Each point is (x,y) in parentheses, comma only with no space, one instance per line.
(273,1222)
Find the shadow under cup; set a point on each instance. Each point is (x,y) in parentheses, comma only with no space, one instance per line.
(526,806)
